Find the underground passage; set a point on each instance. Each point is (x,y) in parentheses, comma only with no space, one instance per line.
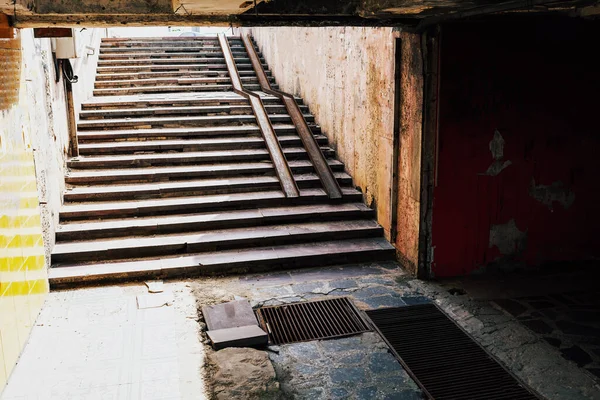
(299,200)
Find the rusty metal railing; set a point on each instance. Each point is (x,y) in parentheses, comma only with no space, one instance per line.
(282,168)
(330,184)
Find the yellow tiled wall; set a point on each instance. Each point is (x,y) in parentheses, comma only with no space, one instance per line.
(23,275)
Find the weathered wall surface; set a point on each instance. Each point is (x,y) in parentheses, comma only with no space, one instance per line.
(346,76)
(518,171)
(23,278)
(33,148)
(85,66)
(37,123)
(409,152)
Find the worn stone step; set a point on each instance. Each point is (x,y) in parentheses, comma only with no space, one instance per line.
(176,80)
(175,133)
(211,120)
(232,143)
(182,205)
(170,43)
(160,174)
(179,100)
(155,225)
(180,158)
(167,74)
(192,187)
(174,54)
(172,89)
(182,111)
(219,262)
(172,61)
(284,231)
(154,49)
(186,67)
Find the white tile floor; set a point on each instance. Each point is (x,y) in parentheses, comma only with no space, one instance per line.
(96,344)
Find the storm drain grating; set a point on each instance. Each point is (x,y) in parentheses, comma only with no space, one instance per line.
(442,358)
(311,320)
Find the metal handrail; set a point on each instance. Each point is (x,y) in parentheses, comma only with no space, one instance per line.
(330,184)
(282,168)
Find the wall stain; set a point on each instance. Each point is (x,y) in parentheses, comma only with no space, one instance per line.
(508,238)
(548,194)
(497,150)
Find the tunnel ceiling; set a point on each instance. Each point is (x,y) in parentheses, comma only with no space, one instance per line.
(275,12)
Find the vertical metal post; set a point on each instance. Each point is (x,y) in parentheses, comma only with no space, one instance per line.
(71,120)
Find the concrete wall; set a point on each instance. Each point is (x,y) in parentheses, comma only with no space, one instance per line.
(85,66)
(408,196)
(23,119)
(518,167)
(33,149)
(346,76)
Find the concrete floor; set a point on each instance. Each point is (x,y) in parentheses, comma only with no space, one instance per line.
(97,344)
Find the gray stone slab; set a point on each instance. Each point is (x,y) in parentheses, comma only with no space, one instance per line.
(243,336)
(229,315)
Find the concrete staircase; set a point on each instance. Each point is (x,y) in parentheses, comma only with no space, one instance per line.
(174,177)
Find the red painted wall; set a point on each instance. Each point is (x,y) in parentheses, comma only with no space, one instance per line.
(537,84)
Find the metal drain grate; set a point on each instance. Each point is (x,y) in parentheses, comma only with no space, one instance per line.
(311,320)
(442,358)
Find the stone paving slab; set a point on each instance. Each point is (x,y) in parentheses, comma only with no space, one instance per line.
(95,342)
(359,367)
(569,321)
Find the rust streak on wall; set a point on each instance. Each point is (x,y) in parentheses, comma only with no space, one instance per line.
(409,159)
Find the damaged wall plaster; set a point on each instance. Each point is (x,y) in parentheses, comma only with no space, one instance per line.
(543,173)
(497,150)
(508,238)
(549,194)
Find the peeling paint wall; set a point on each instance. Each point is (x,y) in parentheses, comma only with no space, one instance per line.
(346,76)
(518,172)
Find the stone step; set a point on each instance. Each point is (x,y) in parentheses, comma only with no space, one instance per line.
(192,187)
(169,54)
(172,89)
(163,224)
(172,62)
(157,49)
(219,262)
(170,43)
(176,80)
(180,205)
(191,157)
(196,121)
(161,174)
(168,100)
(186,67)
(182,111)
(285,231)
(168,74)
(231,143)
(176,133)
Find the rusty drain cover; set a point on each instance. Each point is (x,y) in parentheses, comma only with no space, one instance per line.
(311,320)
(442,358)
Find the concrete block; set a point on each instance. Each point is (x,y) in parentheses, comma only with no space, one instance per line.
(243,336)
(229,315)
